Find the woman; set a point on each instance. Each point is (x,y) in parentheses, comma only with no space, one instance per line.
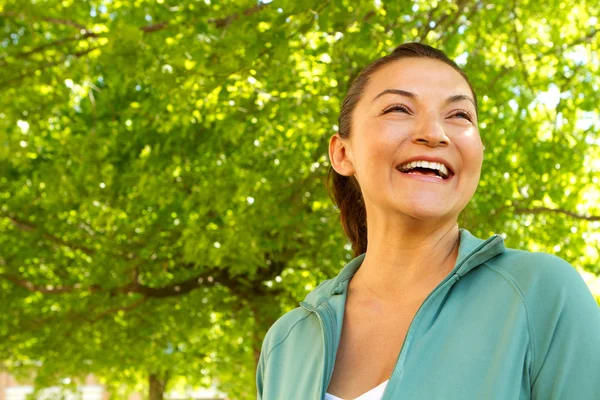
(426,310)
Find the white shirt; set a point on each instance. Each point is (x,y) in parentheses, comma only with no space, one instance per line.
(374,394)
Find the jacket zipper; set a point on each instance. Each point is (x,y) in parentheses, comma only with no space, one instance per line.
(449,280)
(327,322)
(328,336)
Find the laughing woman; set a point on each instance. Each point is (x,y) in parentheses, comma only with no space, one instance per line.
(426,310)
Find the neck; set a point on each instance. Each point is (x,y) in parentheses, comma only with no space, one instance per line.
(403,257)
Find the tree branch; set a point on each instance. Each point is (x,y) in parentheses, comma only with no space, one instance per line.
(474,8)
(218,22)
(67,22)
(226,21)
(460,4)
(208,278)
(552,51)
(28,227)
(428,21)
(56,43)
(34,324)
(48,289)
(51,20)
(180,288)
(540,210)
(128,307)
(523,69)
(155,27)
(17,78)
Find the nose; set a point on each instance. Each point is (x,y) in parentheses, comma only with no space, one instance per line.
(430,132)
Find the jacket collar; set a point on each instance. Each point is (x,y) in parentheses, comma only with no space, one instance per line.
(472,252)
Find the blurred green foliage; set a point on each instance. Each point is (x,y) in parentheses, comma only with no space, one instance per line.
(162,165)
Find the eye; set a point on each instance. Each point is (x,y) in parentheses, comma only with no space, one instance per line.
(463,114)
(396,107)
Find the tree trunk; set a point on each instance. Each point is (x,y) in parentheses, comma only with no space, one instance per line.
(157,385)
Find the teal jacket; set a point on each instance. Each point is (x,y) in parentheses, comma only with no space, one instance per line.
(504,324)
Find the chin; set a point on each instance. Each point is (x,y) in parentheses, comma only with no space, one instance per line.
(425,211)
(427,215)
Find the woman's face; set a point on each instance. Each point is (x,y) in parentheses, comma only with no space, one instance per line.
(414,146)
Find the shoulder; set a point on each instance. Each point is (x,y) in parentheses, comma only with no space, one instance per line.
(538,274)
(560,307)
(299,324)
(550,287)
(552,290)
(293,325)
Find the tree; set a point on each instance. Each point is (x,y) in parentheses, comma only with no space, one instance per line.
(162,165)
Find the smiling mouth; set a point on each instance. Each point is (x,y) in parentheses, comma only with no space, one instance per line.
(426,168)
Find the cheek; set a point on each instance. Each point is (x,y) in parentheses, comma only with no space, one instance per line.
(471,149)
(375,145)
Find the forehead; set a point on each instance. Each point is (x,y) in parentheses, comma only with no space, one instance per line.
(422,76)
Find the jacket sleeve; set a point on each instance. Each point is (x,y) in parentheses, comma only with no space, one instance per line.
(261,369)
(566,336)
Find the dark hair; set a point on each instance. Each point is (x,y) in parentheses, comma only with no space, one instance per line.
(345,190)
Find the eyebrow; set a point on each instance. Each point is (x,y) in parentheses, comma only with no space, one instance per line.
(400,92)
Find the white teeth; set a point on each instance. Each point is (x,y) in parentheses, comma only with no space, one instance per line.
(425,164)
(444,170)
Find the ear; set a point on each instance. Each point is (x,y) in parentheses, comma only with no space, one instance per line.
(341,156)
